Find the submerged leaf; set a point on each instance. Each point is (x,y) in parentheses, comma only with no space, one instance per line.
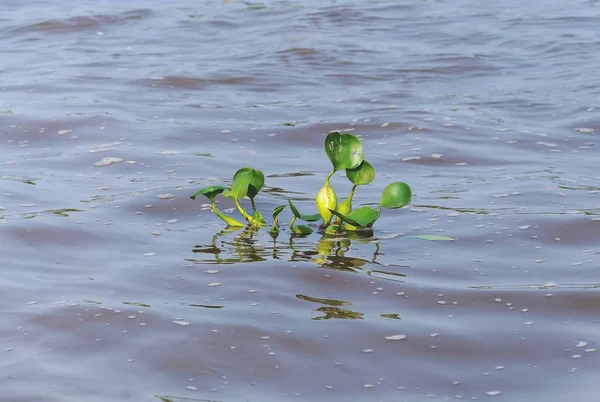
(345,151)
(396,195)
(332,229)
(306,218)
(302,229)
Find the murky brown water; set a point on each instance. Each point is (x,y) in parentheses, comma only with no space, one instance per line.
(116,286)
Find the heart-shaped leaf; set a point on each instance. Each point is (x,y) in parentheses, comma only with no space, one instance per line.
(256,184)
(306,218)
(209,192)
(361,175)
(345,151)
(362,217)
(396,195)
(246,181)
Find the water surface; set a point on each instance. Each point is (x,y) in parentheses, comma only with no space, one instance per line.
(116,286)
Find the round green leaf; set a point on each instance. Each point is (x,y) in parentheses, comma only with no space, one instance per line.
(209,192)
(345,151)
(246,181)
(361,175)
(396,195)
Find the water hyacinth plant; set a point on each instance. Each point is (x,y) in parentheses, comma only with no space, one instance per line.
(345,151)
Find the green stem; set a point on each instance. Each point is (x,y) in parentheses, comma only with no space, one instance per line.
(329,177)
(292,221)
(227,219)
(352,192)
(249,218)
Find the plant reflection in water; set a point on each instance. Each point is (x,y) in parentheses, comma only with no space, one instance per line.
(250,244)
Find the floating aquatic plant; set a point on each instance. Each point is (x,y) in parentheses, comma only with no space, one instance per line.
(345,151)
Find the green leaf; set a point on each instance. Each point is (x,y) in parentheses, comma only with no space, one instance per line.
(345,151)
(209,192)
(362,217)
(258,217)
(332,229)
(396,195)
(302,229)
(306,218)
(431,237)
(361,175)
(256,183)
(241,180)
(277,210)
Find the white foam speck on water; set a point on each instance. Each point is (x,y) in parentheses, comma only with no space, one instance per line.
(104,147)
(155,233)
(524,227)
(368,350)
(398,337)
(109,160)
(63,132)
(211,271)
(149,254)
(173,221)
(493,393)
(191,388)
(581,344)
(181,322)
(164,196)
(169,152)
(436,156)
(411,158)
(461,164)
(585,130)
(214,284)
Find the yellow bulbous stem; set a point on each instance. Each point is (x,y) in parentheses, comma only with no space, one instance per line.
(326,200)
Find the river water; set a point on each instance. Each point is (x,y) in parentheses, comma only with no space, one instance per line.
(117,286)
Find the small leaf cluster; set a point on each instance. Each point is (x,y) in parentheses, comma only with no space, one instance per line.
(345,151)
